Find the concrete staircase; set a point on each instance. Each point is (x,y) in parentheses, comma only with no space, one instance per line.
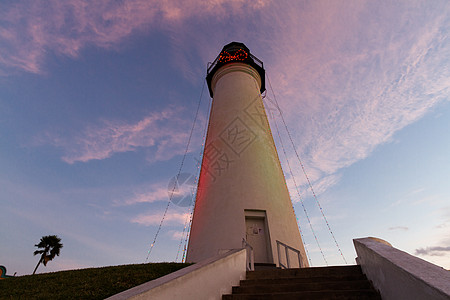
(341,282)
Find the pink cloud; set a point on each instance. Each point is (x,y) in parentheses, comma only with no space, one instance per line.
(164,132)
(348,76)
(176,235)
(34,28)
(348,80)
(155,218)
(156,192)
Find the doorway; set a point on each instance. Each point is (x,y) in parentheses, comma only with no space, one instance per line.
(257,235)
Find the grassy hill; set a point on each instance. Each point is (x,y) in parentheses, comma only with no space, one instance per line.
(92,283)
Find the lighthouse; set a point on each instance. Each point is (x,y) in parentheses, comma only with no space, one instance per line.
(242,193)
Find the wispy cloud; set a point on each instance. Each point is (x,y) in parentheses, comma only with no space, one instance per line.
(319,186)
(31,29)
(416,198)
(442,225)
(403,228)
(156,192)
(176,235)
(445,215)
(433,251)
(155,218)
(162,132)
(343,98)
(348,76)
(440,238)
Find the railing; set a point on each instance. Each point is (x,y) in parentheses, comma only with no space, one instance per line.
(250,258)
(286,251)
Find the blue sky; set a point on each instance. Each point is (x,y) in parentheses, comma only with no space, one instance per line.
(97,100)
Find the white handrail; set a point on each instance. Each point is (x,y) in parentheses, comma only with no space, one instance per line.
(250,258)
(286,251)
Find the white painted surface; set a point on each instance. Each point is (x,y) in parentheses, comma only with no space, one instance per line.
(240,172)
(399,275)
(208,280)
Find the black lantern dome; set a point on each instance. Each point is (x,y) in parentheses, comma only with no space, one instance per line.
(232,53)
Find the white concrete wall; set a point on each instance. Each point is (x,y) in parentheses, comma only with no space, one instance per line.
(209,279)
(399,275)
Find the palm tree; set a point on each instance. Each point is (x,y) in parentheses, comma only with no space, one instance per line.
(51,246)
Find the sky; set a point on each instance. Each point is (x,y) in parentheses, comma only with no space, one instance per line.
(98,98)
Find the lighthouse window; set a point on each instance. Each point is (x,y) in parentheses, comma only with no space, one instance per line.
(238,55)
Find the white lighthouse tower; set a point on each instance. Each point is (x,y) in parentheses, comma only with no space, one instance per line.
(242,193)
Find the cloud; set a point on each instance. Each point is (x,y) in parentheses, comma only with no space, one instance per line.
(348,76)
(442,225)
(404,228)
(349,80)
(155,218)
(320,185)
(163,132)
(433,251)
(417,191)
(32,29)
(156,192)
(446,213)
(440,236)
(416,198)
(445,216)
(428,200)
(176,235)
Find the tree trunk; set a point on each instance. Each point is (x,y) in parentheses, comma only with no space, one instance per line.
(39,262)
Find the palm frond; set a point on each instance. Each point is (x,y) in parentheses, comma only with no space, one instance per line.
(38,252)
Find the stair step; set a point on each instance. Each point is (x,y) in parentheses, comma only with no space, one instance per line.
(310,295)
(302,280)
(265,266)
(341,282)
(305,272)
(300,287)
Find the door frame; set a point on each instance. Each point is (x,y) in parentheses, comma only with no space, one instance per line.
(260,214)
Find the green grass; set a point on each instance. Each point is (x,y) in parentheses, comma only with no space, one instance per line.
(93,283)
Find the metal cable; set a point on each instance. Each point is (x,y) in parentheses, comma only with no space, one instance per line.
(304,172)
(194,190)
(298,222)
(298,192)
(178,174)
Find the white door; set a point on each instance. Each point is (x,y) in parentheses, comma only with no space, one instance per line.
(256,236)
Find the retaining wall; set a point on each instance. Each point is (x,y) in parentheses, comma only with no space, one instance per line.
(208,279)
(399,275)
